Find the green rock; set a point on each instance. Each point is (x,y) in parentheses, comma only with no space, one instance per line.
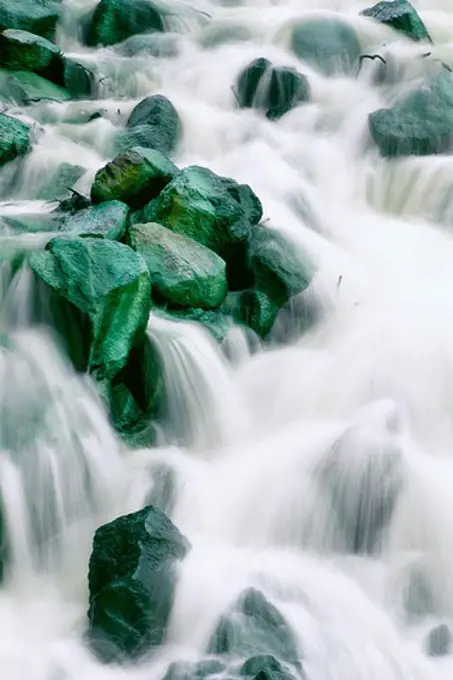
(106,220)
(159,121)
(274,90)
(329,45)
(14,138)
(64,178)
(131,581)
(114,20)
(420,124)
(265,667)
(24,87)
(252,308)
(182,271)
(37,16)
(400,15)
(21,50)
(80,82)
(134,177)
(215,211)
(108,286)
(214,321)
(31,222)
(254,626)
(279,270)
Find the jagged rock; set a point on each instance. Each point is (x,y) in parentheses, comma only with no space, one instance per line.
(108,289)
(63,179)
(328,44)
(134,177)
(113,21)
(252,308)
(420,124)
(275,90)
(182,271)
(37,16)
(254,626)
(106,220)
(131,582)
(158,123)
(14,138)
(25,87)
(400,15)
(439,641)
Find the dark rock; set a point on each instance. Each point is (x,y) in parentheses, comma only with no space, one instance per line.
(113,21)
(272,89)
(106,289)
(36,16)
(182,271)
(80,82)
(106,220)
(265,667)
(439,641)
(252,308)
(327,44)
(14,138)
(134,177)
(400,15)
(131,582)
(159,123)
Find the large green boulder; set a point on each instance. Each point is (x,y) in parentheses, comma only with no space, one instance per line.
(131,583)
(115,20)
(159,123)
(134,177)
(14,138)
(279,269)
(25,87)
(215,211)
(26,51)
(420,124)
(328,44)
(36,16)
(183,272)
(106,220)
(400,15)
(106,289)
(274,90)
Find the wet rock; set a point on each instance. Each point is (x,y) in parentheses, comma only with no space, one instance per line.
(182,271)
(400,15)
(25,87)
(63,179)
(158,45)
(131,582)
(106,289)
(265,667)
(439,641)
(113,21)
(252,308)
(328,44)
(419,599)
(274,90)
(159,123)
(22,50)
(14,138)
(80,82)
(185,670)
(134,177)
(420,124)
(106,220)
(214,321)
(279,269)
(217,212)
(37,16)
(252,627)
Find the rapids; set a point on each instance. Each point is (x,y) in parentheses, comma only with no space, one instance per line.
(264,456)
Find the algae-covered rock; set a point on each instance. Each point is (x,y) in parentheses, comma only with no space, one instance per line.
(63,179)
(14,138)
(279,270)
(420,124)
(106,220)
(328,44)
(159,123)
(114,20)
(182,271)
(272,89)
(134,177)
(25,87)
(109,287)
(217,212)
(131,583)
(252,308)
(400,15)
(26,51)
(37,16)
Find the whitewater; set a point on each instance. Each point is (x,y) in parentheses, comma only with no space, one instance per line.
(356,385)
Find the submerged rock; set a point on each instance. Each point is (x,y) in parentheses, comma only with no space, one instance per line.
(36,16)
(25,87)
(199,670)
(217,34)
(182,271)
(400,15)
(420,124)
(106,220)
(272,89)
(14,138)
(108,289)
(131,583)
(439,641)
(114,20)
(159,123)
(134,177)
(63,179)
(150,44)
(328,44)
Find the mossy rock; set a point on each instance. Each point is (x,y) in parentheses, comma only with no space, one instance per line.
(328,44)
(106,220)
(401,16)
(114,21)
(14,138)
(36,16)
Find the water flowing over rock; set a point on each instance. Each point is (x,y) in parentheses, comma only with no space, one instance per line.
(158,122)
(14,138)
(329,45)
(400,15)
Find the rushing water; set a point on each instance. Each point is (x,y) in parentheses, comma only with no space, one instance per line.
(267,460)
